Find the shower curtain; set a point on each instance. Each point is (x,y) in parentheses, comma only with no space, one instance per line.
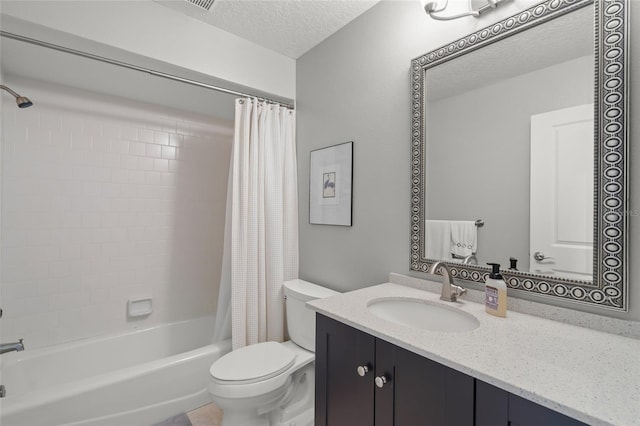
(261,235)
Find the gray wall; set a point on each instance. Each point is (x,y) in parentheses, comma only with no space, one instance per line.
(355,86)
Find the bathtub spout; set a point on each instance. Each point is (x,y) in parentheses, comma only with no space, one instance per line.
(11,347)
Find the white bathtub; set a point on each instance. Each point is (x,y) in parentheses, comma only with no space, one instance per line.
(136,378)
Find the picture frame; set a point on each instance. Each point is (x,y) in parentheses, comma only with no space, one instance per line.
(331,185)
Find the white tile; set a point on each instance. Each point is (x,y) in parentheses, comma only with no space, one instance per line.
(99,295)
(50,120)
(111,130)
(161,138)
(118,234)
(70,156)
(120,146)
(175,139)
(137,148)
(91,126)
(28,117)
(91,220)
(81,142)
(38,136)
(30,305)
(61,139)
(59,269)
(168,178)
(92,158)
(161,165)
(145,135)
(71,123)
(137,177)
(49,153)
(111,160)
(153,150)
(14,134)
(129,133)
(101,144)
(169,125)
(128,191)
(169,152)
(110,190)
(69,252)
(70,219)
(44,321)
(145,163)
(49,286)
(153,178)
(60,236)
(119,175)
(64,301)
(129,162)
(184,127)
(26,153)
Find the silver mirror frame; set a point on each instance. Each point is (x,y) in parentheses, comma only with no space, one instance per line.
(609,288)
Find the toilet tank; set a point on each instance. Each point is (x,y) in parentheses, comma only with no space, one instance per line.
(301,321)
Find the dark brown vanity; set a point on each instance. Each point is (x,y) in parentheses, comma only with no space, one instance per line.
(364,380)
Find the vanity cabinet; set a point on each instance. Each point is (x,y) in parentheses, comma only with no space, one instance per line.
(363,380)
(397,387)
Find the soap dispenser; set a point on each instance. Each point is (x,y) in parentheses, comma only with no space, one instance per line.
(496,292)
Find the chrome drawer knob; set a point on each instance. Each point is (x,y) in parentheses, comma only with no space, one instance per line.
(380,381)
(363,370)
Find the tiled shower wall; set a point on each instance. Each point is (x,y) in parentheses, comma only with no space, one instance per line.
(103,200)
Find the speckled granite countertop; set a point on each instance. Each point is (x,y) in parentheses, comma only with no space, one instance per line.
(586,374)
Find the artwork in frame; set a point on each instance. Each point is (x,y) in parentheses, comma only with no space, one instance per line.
(330,185)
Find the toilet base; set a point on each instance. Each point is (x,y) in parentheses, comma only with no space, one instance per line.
(291,404)
(298,407)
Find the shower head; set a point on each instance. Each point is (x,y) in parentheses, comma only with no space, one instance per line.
(21,101)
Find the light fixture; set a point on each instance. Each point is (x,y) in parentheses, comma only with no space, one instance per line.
(476,8)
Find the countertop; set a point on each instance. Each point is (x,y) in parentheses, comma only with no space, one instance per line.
(589,375)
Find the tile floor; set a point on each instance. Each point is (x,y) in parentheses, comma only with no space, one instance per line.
(208,415)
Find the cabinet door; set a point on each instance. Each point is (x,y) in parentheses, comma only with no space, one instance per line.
(523,412)
(419,391)
(343,398)
(496,407)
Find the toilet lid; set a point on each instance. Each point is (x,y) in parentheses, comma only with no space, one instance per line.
(253,363)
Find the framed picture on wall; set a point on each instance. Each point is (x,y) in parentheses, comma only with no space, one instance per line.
(330,185)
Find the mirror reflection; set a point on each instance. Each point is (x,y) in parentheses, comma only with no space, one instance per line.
(509,142)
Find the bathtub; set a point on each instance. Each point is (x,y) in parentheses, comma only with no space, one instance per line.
(133,378)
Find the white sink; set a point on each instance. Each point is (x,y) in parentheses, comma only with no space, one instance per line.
(422,314)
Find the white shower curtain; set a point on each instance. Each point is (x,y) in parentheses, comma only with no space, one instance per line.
(264,223)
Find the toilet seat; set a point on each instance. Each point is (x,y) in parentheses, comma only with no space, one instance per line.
(248,388)
(252,364)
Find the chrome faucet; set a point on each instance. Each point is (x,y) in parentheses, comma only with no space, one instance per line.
(11,347)
(470,260)
(450,292)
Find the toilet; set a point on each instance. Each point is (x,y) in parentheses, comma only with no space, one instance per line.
(270,383)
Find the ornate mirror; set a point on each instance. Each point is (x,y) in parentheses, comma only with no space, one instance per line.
(519,153)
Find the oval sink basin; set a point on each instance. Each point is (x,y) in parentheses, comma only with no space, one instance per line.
(421,314)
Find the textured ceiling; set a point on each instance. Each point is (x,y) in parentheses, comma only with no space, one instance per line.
(289,27)
(562,39)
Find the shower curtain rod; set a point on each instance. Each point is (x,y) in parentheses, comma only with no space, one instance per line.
(136,67)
